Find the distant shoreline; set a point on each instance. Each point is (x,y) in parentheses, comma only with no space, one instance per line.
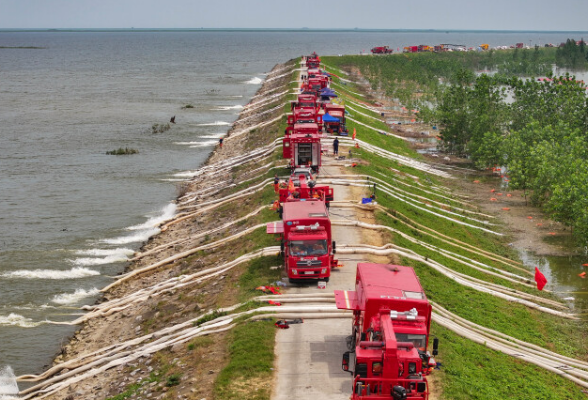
(358,30)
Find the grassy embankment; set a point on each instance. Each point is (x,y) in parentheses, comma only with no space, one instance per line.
(469,371)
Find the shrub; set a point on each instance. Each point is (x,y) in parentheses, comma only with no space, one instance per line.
(122,151)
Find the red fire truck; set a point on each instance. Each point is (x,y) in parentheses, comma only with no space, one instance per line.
(302,145)
(307,242)
(313,61)
(336,122)
(304,116)
(306,102)
(381,50)
(390,334)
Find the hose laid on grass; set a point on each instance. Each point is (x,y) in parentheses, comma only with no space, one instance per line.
(227,165)
(376,129)
(560,365)
(223,200)
(268,100)
(112,356)
(406,195)
(509,295)
(259,114)
(418,187)
(439,236)
(436,213)
(454,256)
(404,160)
(117,355)
(236,134)
(172,284)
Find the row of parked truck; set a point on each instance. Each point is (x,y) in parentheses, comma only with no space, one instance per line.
(387,355)
(306,237)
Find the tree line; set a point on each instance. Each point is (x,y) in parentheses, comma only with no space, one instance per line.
(537,129)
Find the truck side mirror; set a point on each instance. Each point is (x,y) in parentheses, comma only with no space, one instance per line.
(334,247)
(345,362)
(435,346)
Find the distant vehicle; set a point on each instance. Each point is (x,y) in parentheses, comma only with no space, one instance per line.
(382,50)
(334,119)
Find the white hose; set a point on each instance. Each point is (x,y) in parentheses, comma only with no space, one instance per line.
(506,294)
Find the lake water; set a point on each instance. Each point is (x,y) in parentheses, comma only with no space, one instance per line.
(70,214)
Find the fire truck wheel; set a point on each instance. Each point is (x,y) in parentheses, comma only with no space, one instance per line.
(326,279)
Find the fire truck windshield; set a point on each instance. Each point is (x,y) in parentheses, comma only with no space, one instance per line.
(308,247)
(419,341)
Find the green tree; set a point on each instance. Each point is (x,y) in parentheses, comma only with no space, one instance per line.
(453,113)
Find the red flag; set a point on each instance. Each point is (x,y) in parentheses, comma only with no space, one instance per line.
(354,133)
(540,279)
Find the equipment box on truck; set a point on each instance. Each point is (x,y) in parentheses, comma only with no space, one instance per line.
(383,287)
(303,146)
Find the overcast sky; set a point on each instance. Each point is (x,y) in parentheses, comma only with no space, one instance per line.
(547,15)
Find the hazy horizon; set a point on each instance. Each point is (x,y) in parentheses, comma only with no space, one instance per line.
(499,15)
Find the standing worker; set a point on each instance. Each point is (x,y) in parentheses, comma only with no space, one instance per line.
(276,184)
(220,143)
(336,146)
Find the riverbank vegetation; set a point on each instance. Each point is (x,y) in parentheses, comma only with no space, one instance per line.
(572,55)
(536,129)
(469,370)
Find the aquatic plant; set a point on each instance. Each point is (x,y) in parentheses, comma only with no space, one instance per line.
(157,128)
(122,151)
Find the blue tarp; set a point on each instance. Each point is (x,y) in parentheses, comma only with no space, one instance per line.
(329,118)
